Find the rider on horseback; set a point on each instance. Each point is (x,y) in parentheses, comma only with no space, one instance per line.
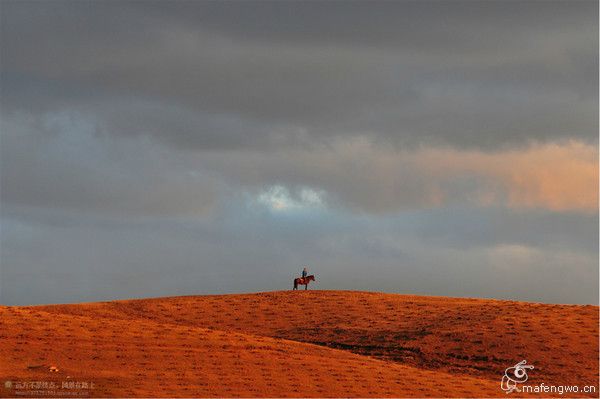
(304,280)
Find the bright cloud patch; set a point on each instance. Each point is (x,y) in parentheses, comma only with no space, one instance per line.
(280,199)
(359,174)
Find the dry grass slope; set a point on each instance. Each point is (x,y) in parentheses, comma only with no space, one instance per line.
(299,344)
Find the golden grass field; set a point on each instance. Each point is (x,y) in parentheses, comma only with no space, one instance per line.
(295,344)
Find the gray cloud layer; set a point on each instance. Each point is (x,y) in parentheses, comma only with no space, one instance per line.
(537,257)
(230,75)
(453,145)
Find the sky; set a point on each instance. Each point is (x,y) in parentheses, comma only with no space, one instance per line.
(158,148)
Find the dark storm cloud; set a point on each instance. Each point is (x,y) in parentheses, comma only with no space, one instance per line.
(162,148)
(481,74)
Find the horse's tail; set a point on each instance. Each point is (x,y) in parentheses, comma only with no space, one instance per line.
(295,283)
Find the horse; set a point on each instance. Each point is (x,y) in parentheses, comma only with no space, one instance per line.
(303,281)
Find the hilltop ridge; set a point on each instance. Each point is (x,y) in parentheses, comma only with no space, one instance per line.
(302,343)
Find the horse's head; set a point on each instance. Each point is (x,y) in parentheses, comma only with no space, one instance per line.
(311,277)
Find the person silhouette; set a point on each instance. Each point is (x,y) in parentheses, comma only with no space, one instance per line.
(304,273)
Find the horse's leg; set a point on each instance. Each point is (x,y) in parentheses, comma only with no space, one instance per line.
(306,286)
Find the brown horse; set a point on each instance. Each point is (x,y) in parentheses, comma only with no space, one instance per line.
(303,281)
